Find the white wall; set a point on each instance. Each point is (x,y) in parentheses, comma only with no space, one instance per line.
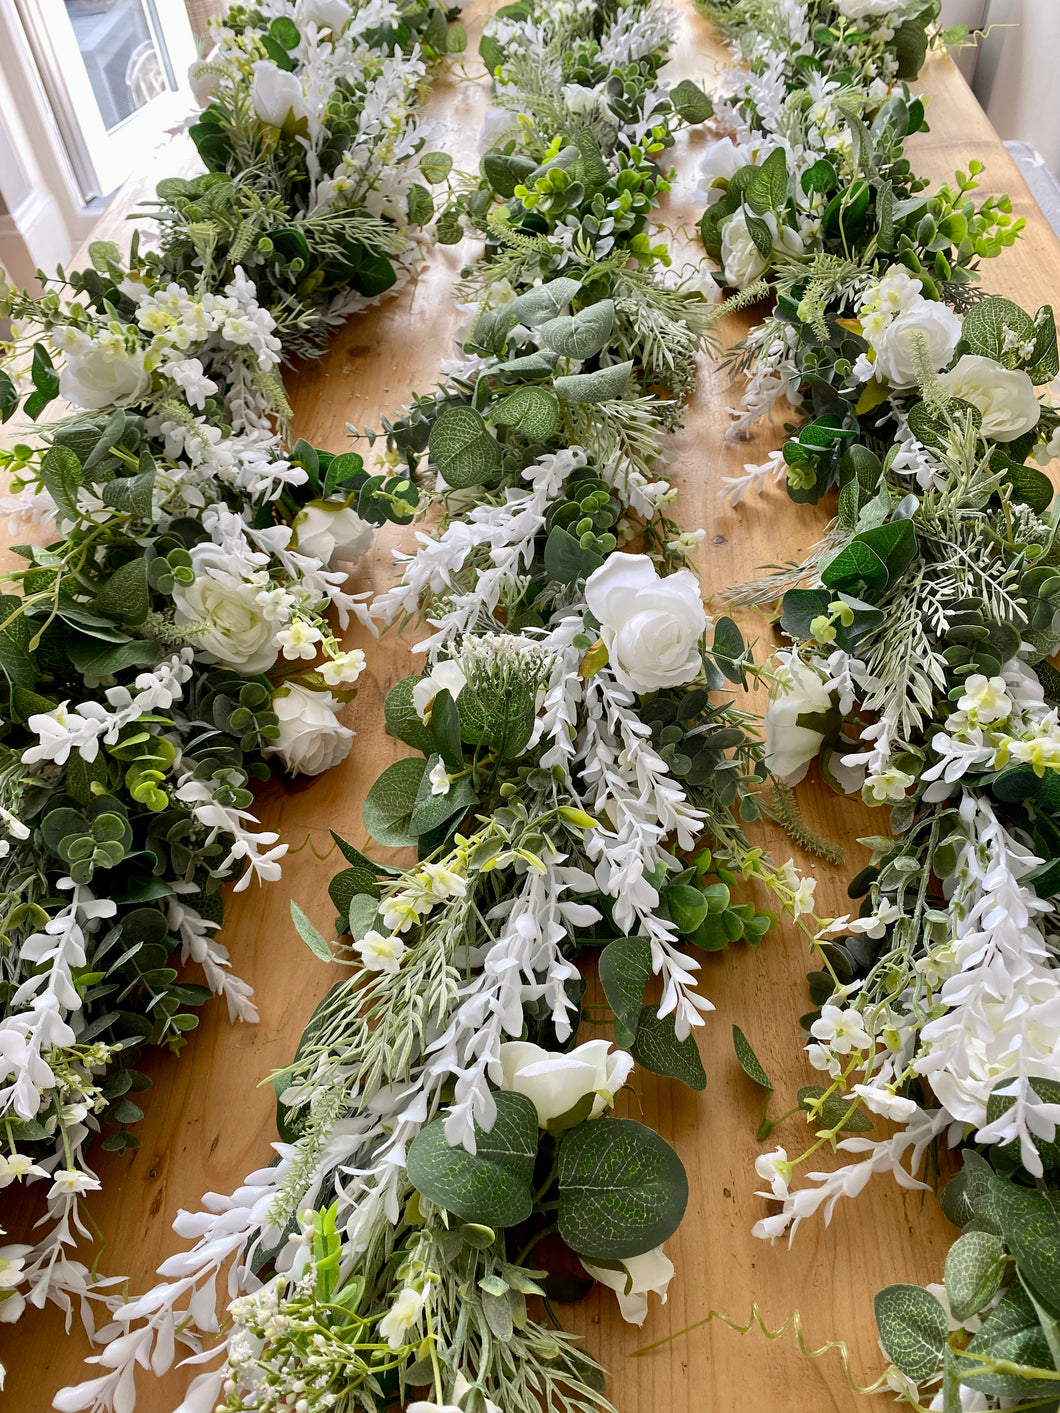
(1017,69)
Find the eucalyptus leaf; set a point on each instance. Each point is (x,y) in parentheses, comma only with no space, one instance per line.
(658,1049)
(913,1329)
(491,1186)
(389,804)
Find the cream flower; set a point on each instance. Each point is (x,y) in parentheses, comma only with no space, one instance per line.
(445,676)
(1004,396)
(221,612)
(651,626)
(311,739)
(985,698)
(555,1083)
(401,1316)
(99,377)
(798,692)
(640,1276)
(923,323)
(331,532)
(380,953)
(276,95)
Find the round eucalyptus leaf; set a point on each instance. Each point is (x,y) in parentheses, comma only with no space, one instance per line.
(490,1187)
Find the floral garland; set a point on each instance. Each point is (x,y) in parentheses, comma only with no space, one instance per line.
(187,560)
(575,787)
(566,711)
(922,628)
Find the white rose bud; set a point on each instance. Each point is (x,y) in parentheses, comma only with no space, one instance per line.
(651,626)
(276,95)
(740,257)
(1004,396)
(325,14)
(311,739)
(896,348)
(330,531)
(222,610)
(790,747)
(94,378)
(639,1276)
(554,1083)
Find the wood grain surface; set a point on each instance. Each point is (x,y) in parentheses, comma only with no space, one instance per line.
(209,1118)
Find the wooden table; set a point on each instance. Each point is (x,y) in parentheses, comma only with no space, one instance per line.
(209,1118)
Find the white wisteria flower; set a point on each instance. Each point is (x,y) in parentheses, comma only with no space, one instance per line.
(331,531)
(222,615)
(311,739)
(651,625)
(1005,396)
(640,1276)
(556,1083)
(885,1103)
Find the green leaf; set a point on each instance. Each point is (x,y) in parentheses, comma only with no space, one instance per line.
(419,205)
(60,471)
(687,906)
(402,718)
(832,1111)
(768,188)
(749,1061)
(1030,1227)
(390,802)
(727,649)
(490,1187)
(604,385)
(1043,363)
(691,103)
(42,371)
(1012,1332)
(463,449)
(822,177)
(913,1329)
(132,495)
(566,560)
(658,1049)
(435,166)
(580,335)
(975,1265)
(125,596)
(986,325)
(504,173)
(532,411)
(308,932)
(445,730)
(285,32)
(8,397)
(431,811)
(761,235)
(543,302)
(910,45)
(456,40)
(622,1189)
(625,970)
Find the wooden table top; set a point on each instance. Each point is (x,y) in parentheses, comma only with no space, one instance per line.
(209,1118)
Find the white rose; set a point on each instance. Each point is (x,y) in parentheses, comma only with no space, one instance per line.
(330,531)
(95,379)
(1004,396)
(863,9)
(311,739)
(896,347)
(228,621)
(639,1275)
(203,83)
(326,14)
(651,626)
(445,676)
(276,95)
(740,257)
(790,747)
(555,1083)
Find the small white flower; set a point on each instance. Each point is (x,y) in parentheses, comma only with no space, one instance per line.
(68,1182)
(16,1167)
(640,1276)
(776,1170)
(986,699)
(439,779)
(442,882)
(841,1029)
(883,1102)
(401,1316)
(888,785)
(344,667)
(379,952)
(299,640)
